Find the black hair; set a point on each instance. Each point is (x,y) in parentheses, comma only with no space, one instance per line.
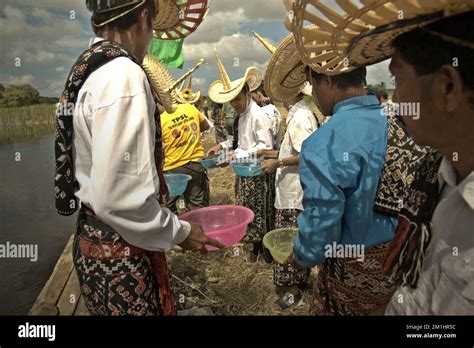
(122,23)
(384,95)
(261,89)
(427,52)
(353,78)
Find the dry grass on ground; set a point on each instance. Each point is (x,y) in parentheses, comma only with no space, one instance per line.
(227,283)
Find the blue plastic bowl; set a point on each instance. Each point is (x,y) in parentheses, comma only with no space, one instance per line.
(242,168)
(177,183)
(210,162)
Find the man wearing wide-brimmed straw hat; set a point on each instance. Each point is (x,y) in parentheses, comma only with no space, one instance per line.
(354,174)
(285,80)
(109,164)
(252,132)
(431,44)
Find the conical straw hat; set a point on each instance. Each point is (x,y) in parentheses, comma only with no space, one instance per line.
(360,35)
(225,90)
(186,95)
(189,85)
(265,43)
(285,76)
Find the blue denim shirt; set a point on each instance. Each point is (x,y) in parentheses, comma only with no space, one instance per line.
(340,168)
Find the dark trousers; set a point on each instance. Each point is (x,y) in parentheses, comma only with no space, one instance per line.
(197,192)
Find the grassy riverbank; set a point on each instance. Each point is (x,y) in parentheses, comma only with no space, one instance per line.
(27,115)
(26,123)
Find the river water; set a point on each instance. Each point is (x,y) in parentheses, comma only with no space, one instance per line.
(27,216)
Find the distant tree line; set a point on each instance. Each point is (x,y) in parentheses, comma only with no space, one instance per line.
(22,95)
(379,90)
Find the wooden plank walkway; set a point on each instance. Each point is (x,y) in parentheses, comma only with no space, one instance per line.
(61,294)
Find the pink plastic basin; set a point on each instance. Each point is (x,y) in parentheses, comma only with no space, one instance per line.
(225,223)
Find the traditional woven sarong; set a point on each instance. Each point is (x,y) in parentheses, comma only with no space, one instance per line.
(257,193)
(285,276)
(346,286)
(406,252)
(117,278)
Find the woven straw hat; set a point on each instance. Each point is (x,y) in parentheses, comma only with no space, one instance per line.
(225,90)
(356,35)
(162,82)
(167,15)
(184,18)
(285,76)
(186,95)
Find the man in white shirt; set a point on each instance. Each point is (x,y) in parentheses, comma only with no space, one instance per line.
(254,128)
(117,165)
(444,282)
(301,123)
(252,132)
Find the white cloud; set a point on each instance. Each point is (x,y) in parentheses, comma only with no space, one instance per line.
(199,83)
(44,56)
(379,73)
(43,15)
(226,17)
(217,25)
(45,39)
(17,80)
(253,9)
(79,6)
(54,87)
(233,49)
(237,52)
(38,42)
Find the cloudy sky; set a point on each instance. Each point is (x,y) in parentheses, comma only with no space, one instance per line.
(40,40)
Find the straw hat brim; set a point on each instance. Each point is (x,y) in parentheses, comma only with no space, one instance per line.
(190,99)
(167,16)
(285,76)
(312,42)
(358,36)
(182,22)
(219,94)
(375,45)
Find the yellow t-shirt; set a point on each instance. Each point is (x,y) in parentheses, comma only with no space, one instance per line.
(181,133)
